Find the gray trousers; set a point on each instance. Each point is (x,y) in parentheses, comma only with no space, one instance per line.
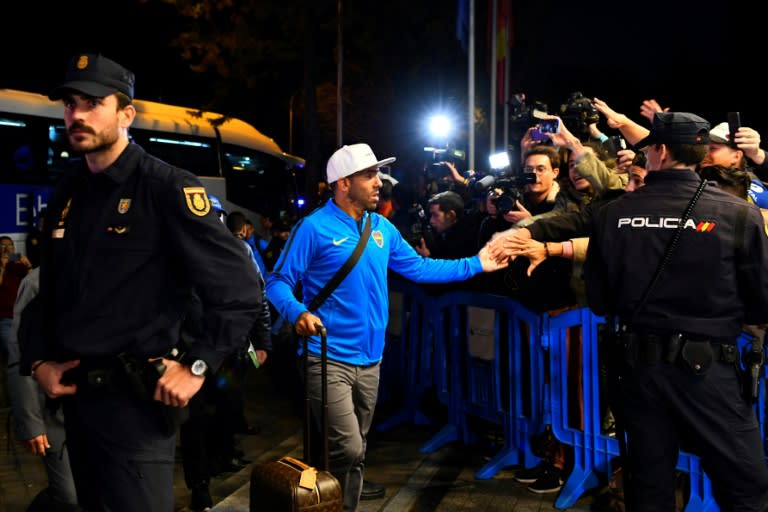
(352,394)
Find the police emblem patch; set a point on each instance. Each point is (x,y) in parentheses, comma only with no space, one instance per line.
(378,238)
(82,62)
(197,200)
(123,206)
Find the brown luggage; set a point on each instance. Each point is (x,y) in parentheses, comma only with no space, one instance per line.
(289,484)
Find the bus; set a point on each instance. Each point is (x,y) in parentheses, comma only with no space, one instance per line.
(246,169)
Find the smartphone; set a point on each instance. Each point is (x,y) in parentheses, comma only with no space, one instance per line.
(734,123)
(538,135)
(549,126)
(614,144)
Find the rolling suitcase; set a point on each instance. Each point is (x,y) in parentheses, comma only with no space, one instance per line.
(289,484)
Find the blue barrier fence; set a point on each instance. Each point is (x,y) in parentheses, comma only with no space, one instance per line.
(487,357)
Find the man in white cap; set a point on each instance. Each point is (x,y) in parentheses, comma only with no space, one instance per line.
(355,314)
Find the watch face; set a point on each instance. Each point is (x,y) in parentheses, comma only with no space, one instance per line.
(199,367)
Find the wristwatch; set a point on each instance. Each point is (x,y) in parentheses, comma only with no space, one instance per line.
(199,368)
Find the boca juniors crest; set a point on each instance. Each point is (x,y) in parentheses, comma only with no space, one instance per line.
(378,238)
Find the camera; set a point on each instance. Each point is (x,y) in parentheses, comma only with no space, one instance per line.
(578,113)
(522,116)
(440,156)
(419,227)
(511,186)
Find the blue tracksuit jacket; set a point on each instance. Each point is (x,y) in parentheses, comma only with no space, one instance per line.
(356,313)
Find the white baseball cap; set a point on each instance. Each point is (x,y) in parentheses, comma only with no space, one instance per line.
(719,134)
(348,160)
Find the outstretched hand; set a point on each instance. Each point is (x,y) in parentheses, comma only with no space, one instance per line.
(515,216)
(491,264)
(497,246)
(534,250)
(613,118)
(649,108)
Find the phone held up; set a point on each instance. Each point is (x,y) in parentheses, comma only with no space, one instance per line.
(545,126)
(734,123)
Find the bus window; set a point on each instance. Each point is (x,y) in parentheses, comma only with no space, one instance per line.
(195,154)
(60,156)
(258,181)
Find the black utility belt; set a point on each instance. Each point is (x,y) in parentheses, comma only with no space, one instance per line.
(116,374)
(697,354)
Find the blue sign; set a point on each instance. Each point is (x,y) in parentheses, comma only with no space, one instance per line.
(20,204)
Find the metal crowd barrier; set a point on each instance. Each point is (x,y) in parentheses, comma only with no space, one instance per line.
(484,356)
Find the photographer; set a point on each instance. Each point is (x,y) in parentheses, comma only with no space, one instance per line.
(542,194)
(454,233)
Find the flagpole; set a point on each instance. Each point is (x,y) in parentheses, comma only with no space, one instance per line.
(507,59)
(339,77)
(471,88)
(493,38)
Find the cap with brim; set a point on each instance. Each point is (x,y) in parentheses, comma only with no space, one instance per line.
(676,128)
(388,177)
(216,204)
(348,160)
(720,134)
(95,75)
(758,193)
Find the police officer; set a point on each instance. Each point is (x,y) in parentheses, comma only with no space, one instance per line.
(680,377)
(126,239)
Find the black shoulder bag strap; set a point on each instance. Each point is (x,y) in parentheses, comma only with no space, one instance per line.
(671,246)
(339,276)
(618,412)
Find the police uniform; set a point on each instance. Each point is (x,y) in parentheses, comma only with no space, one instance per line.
(122,251)
(716,281)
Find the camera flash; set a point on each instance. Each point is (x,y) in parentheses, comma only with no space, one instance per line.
(499,160)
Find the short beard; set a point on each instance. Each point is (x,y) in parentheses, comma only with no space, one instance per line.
(101,144)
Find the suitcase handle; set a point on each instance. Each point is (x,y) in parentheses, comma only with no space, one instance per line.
(323,396)
(296,463)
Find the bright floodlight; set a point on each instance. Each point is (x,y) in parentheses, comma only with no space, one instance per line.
(499,160)
(440,126)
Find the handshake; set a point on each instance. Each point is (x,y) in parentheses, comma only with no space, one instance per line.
(505,246)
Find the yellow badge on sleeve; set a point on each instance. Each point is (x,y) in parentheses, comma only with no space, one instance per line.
(197,200)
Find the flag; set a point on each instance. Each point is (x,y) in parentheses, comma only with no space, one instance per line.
(462,23)
(503,42)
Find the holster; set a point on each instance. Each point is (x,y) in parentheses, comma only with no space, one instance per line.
(698,356)
(752,359)
(141,378)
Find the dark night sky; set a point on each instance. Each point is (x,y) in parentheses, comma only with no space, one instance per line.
(697,56)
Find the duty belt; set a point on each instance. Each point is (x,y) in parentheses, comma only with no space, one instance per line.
(656,346)
(97,373)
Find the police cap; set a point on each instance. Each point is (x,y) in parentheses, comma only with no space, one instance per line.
(95,75)
(676,128)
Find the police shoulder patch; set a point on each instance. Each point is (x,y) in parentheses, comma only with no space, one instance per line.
(197,200)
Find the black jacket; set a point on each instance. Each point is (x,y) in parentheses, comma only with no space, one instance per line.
(717,278)
(122,252)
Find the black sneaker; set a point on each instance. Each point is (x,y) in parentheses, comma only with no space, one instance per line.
(550,481)
(530,475)
(200,500)
(372,491)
